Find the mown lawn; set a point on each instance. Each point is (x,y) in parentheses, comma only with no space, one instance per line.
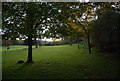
(59,62)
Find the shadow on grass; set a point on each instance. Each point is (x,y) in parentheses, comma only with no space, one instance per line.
(23,66)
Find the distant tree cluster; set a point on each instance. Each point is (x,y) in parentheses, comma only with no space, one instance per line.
(7,43)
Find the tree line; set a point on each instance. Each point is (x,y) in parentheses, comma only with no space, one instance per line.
(97,22)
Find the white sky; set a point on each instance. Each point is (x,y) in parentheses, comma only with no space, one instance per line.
(1,32)
(48,40)
(83,0)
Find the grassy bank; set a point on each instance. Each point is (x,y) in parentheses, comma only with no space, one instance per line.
(59,62)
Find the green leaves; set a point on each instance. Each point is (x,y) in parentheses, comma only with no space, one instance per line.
(27,18)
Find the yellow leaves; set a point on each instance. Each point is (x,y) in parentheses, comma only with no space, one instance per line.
(74,13)
(79,22)
(107,4)
(90,14)
(76,29)
(69,19)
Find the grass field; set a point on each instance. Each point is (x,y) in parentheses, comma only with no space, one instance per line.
(59,62)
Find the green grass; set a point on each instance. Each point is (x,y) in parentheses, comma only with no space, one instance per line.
(65,62)
(14,47)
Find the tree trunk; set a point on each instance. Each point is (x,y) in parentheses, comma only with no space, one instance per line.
(78,46)
(89,46)
(36,43)
(70,41)
(78,43)
(29,60)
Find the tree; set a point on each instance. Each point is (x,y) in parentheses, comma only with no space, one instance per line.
(80,19)
(24,19)
(106,29)
(76,20)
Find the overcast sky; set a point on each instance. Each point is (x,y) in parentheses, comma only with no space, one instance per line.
(60,0)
